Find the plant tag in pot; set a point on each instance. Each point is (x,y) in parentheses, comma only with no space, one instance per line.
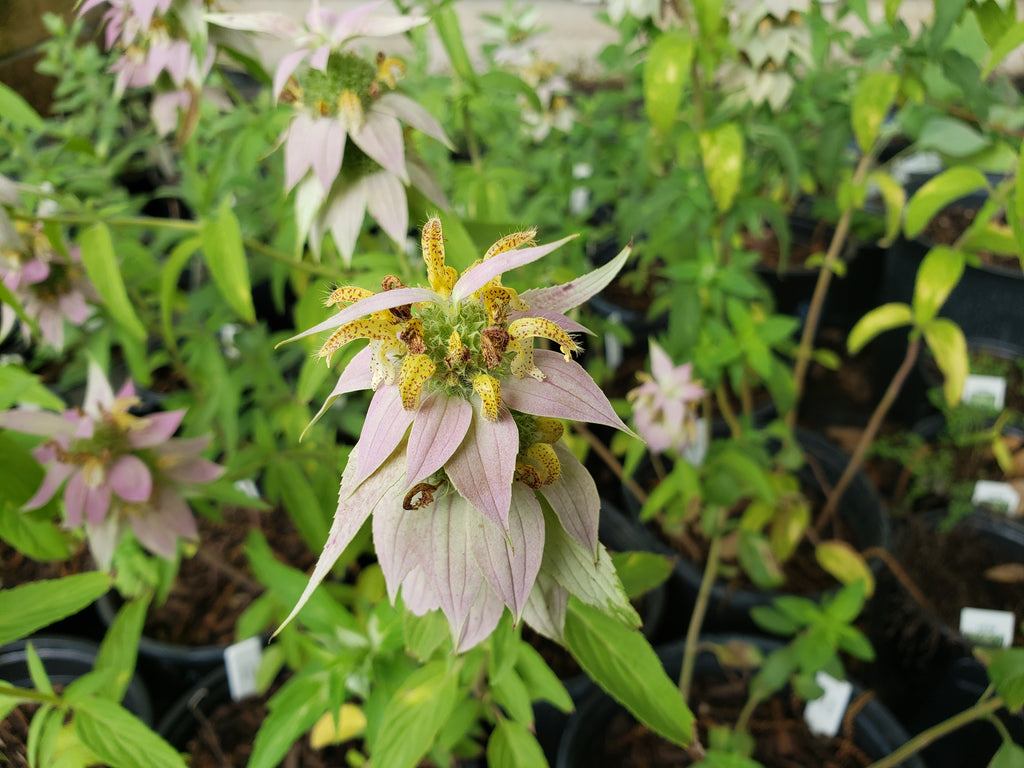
(984,392)
(824,715)
(989,628)
(242,661)
(999,497)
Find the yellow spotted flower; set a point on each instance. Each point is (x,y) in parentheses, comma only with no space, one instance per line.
(461,449)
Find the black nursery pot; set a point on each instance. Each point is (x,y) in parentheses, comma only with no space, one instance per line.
(169,668)
(925,670)
(875,731)
(65,659)
(861,512)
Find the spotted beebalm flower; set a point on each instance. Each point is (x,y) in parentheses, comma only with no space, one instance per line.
(476,502)
(52,288)
(663,409)
(344,150)
(118,470)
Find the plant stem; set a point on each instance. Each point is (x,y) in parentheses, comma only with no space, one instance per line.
(803,355)
(700,609)
(727,412)
(10,691)
(743,720)
(937,731)
(181,225)
(870,431)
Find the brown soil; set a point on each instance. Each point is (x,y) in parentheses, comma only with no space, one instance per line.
(948,225)
(226,736)
(14,736)
(16,568)
(780,733)
(950,570)
(215,586)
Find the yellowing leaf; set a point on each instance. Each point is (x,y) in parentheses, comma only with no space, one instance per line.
(845,564)
(349,724)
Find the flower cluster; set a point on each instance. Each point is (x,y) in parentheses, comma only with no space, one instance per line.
(461,451)
(344,149)
(662,404)
(158,37)
(50,285)
(118,470)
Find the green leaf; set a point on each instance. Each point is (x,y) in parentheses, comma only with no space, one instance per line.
(622,662)
(1006,671)
(225,256)
(773,620)
(846,604)
(169,275)
(510,692)
(120,647)
(288,483)
(1009,755)
(758,561)
(29,607)
(892,9)
(9,299)
(39,538)
(446,22)
(293,710)
(937,276)
(721,151)
(938,192)
(947,343)
(1011,39)
(497,81)
(666,74)
(512,746)
(845,564)
(775,672)
(871,101)
(878,321)
(16,111)
(424,634)
(414,716)
(121,740)
(951,137)
(895,197)
(572,566)
(540,681)
(640,572)
(105,273)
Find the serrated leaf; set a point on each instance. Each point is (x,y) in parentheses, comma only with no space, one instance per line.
(414,716)
(30,607)
(947,343)
(101,265)
(878,321)
(541,682)
(120,647)
(225,256)
(871,101)
(511,745)
(16,111)
(1010,40)
(938,192)
(666,74)
(722,153)
(937,276)
(622,662)
(845,564)
(1006,671)
(640,572)
(121,740)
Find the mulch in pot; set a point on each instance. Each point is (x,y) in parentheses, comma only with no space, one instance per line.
(14,735)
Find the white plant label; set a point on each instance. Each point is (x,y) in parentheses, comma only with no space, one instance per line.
(242,661)
(999,496)
(824,715)
(985,627)
(985,391)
